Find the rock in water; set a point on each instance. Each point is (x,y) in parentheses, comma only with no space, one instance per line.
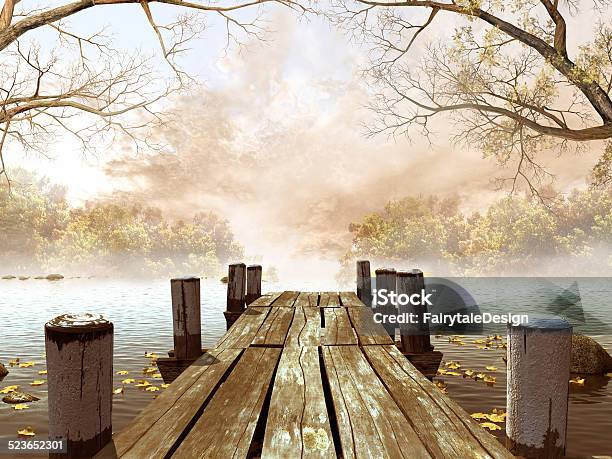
(225,280)
(588,356)
(3,371)
(19,397)
(54,277)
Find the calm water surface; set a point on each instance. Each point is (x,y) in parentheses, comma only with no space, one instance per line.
(142,317)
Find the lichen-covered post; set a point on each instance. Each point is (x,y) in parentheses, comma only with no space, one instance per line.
(386,279)
(79,349)
(236,293)
(253,283)
(186,317)
(364,282)
(537,387)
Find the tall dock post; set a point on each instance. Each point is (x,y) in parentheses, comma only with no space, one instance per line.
(386,279)
(79,354)
(253,283)
(414,337)
(364,282)
(537,387)
(186,317)
(236,293)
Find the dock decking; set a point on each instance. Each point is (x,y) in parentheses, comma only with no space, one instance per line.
(303,375)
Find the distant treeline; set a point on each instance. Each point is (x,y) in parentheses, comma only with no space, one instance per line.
(515,236)
(40,232)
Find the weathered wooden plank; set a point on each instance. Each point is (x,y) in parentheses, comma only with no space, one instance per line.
(266,299)
(437,429)
(305,329)
(156,429)
(351,300)
(460,419)
(368,331)
(329,300)
(244,330)
(227,424)
(370,423)
(307,299)
(273,331)
(338,329)
(285,300)
(298,422)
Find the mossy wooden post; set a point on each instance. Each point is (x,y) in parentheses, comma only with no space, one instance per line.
(414,337)
(386,279)
(236,293)
(186,317)
(537,387)
(253,283)
(364,282)
(79,354)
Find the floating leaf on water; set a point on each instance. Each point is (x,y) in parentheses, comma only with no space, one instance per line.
(8,389)
(495,417)
(149,370)
(14,362)
(577,380)
(480,416)
(150,355)
(143,383)
(26,364)
(453,365)
(118,390)
(479,341)
(123,372)
(490,426)
(479,376)
(152,389)
(26,432)
(453,373)
(128,381)
(489,379)
(38,382)
(491,368)
(165,386)
(441,371)
(156,376)
(468,373)
(20,406)
(42,372)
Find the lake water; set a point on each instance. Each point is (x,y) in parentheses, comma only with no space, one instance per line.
(142,317)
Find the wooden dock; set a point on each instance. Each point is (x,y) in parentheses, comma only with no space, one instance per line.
(303,375)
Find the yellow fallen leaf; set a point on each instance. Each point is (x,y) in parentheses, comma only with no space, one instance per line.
(152,389)
(150,355)
(490,426)
(453,373)
(479,341)
(26,364)
(489,379)
(479,416)
(468,373)
(491,368)
(480,376)
(441,371)
(128,381)
(38,382)
(165,386)
(20,406)
(8,389)
(453,365)
(27,432)
(123,372)
(577,380)
(117,391)
(494,417)
(148,371)
(157,376)
(42,372)
(143,383)
(14,362)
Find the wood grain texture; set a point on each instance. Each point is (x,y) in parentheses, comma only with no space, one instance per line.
(350,300)
(305,329)
(285,300)
(338,329)
(244,330)
(368,331)
(266,299)
(227,424)
(460,419)
(370,423)
(307,299)
(298,422)
(329,300)
(156,429)
(273,331)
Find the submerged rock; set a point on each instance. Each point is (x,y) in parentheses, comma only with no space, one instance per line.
(3,371)
(225,280)
(19,397)
(8,277)
(588,356)
(23,277)
(53,277)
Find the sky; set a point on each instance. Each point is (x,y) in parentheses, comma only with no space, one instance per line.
(273,140)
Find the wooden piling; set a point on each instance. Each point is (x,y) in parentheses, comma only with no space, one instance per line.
(386,279)
(79,354)
(537,387)
(414,337)
(253,283)
(364,282)
(236,293)
(186,317)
